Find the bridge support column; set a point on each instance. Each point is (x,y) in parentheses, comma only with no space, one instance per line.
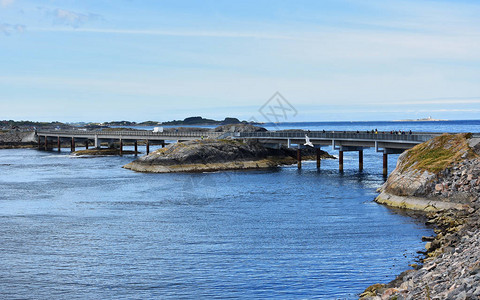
(136,147)
(46,143)
(163,144)
(86,144)
(97,145)
(385,164)
(39,142)
(148,146)
(340,161)
(72,145)
(58,144)
(299,158)
(121,147)
(360,160)
(318,158)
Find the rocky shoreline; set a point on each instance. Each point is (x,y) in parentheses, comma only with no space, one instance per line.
(441,178)
(103,152)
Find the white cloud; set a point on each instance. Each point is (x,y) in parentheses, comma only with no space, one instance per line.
(178,33)
(8,29)
(71,18)
(5,3)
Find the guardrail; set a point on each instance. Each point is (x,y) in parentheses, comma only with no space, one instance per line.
(132,133)
(414,137)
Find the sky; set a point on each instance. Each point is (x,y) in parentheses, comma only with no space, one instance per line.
(294,60)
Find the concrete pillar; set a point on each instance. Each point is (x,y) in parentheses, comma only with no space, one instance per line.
(86,144)
(121,147)
(58,144)
(163,144)
(385,164)
(39,142)
(288,143)
(97,145)
(318,158)
(148,146)
(136,147)
(46,143)
(72,145)
(299,158)
(340,161)
(360,160)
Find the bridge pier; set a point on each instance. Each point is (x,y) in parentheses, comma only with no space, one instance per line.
(86,144)
(121,147)
(136,147)
(58,144)
(72,145)
(299,158)
(148,147)
(385,164)
(360,160)
(97,145)
(46,143)
(39,143)
(340,161)
(318,158)
(163,144)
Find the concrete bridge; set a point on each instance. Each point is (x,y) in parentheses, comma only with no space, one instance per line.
(346,141)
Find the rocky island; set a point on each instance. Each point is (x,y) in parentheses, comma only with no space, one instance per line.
(213,155)
(440,177)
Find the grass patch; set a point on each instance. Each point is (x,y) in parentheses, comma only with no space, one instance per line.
(439,153)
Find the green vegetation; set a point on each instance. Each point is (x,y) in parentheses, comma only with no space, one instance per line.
(120,123)
(149,123)
(13,123)
(439,153)
(121,129)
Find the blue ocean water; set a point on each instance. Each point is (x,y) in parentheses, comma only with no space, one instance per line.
(83,228)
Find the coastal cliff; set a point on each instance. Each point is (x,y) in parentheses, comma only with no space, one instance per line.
(213,155)
(442,178)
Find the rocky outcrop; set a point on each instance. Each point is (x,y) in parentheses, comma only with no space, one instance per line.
(440,176)
(17,139)
(213,155)
(241,127)
(444,169)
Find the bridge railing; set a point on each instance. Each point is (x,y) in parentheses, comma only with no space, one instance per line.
(133,133)
(339,135)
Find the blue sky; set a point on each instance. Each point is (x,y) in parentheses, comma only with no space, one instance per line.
(161,60)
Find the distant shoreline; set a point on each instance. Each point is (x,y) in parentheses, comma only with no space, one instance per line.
(429,119)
